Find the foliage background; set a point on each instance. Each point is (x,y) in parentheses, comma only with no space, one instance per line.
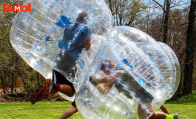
(165,21)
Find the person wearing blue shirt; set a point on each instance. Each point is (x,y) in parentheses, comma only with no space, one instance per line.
(77,36)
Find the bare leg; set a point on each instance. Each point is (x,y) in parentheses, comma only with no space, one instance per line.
(144,115)
(104,88)
(101,88)
(164,109)
(67,90)
(69,113)
(142,112)
(158,115)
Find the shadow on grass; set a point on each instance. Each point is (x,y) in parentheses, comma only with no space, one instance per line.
(188,100)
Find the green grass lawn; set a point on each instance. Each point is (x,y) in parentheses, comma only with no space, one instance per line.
(41,110)
(185,107)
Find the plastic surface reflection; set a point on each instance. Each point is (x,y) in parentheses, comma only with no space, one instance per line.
(130,76)
(124,74)
(38,35)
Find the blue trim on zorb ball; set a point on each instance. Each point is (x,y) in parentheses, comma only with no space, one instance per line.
(63,21)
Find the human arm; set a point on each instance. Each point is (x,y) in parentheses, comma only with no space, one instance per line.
(105,79)
(87,42)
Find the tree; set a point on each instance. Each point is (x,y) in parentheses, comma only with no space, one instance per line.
(165,8)
(166,21)
(8,55)
(126,12)
(12,67)
(177,25)
(191,36)
(166,11)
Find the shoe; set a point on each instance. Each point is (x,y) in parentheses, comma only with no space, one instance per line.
(175,116)
(43,92)
(91,80)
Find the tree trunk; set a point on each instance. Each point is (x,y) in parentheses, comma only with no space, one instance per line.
(188,72)
(38,79)
(166,21)
(3,85)
(178,92)
(12,84)
(110,4)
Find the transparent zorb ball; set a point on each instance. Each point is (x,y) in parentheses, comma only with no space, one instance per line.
(37,36)
(92,102)
(129,77)
(174,79)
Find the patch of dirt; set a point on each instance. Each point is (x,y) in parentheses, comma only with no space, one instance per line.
(22,97)
(19,97)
